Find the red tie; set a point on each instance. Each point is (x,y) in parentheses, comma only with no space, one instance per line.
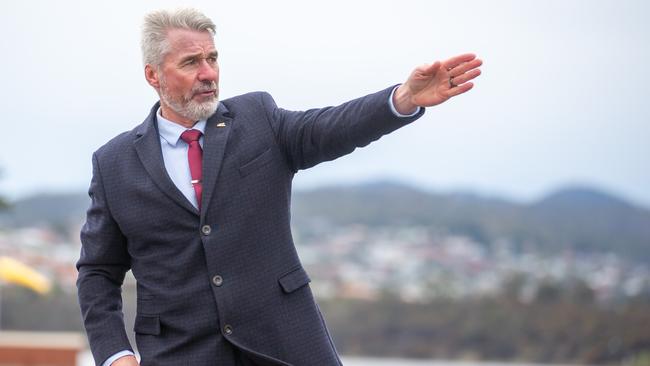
(195,158)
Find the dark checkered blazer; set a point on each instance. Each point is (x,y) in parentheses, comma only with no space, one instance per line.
(229,273)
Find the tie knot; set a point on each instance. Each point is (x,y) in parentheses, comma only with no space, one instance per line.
(191,135)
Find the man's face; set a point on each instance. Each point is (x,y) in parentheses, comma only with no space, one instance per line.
(189,77)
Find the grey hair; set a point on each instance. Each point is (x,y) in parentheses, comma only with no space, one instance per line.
(158,23)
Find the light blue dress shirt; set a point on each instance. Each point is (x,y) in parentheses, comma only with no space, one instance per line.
(174,152)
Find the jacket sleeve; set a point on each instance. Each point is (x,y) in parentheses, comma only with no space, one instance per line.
(102,266)
(317,135)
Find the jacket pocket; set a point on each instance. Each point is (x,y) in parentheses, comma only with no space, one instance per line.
(294,280)
(147,324)
(256,163)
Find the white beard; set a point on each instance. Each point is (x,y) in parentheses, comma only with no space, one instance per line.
(185,106)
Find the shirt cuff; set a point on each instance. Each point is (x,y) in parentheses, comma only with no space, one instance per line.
(114,357)
(395,112)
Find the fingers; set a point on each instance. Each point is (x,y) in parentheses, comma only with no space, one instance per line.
(463,78)
(460,89)
(461,70)
(457,60)
(465,67)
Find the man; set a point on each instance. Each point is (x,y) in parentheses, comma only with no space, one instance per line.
(195,201)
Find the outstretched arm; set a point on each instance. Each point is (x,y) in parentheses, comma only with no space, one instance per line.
(433,84)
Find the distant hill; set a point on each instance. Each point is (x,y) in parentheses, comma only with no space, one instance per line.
(587,220)
(45,209)
(574,218)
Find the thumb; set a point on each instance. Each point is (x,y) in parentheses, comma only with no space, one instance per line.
(433,68)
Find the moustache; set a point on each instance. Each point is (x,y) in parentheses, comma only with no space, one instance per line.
(205,87)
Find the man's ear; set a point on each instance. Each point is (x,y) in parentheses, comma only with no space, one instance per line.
(152,76)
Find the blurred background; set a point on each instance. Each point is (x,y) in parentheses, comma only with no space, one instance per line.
(511,224)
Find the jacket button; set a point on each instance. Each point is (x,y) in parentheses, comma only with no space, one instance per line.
(206,229)
(217,280)
(227,330)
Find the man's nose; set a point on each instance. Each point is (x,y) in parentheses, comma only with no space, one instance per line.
(208,72)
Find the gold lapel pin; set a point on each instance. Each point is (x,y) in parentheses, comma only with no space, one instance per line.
(221,124)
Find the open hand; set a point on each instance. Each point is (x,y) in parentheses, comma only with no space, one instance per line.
(433,84)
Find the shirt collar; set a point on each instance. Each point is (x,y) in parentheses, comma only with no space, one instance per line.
(171,131)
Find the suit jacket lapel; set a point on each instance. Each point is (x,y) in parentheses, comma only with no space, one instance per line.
(147,146)
(216,134)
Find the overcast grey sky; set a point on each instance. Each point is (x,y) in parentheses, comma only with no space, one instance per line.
(562,99)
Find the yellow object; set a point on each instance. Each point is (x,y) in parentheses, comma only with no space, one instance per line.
(12,271)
